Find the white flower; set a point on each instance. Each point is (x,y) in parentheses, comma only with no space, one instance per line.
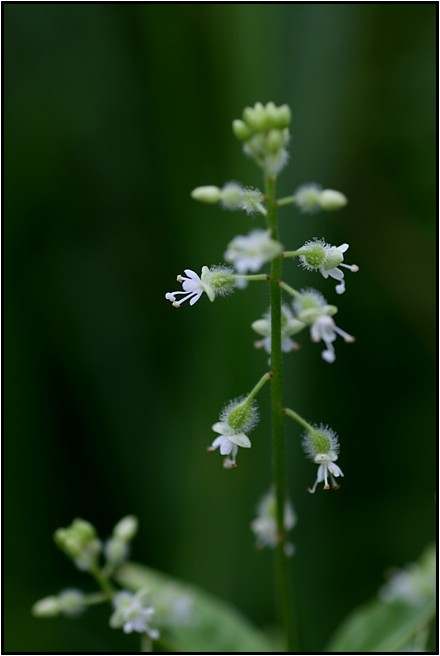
(132,614)
(312,309)
(213,282)
(316,255)
(289,326)
(264,526)
(321,445)
(237,419)
(250,252)
(326,330)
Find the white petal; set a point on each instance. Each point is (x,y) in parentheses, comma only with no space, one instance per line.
(192,274)
(225,446)
(343,247)
(335,273)
(240,439)
(195,298)
(220,427)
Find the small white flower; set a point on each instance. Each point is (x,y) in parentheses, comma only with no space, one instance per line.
(264,526)
(250,252)
(326,330)
(132,614)
(317,255)
(237,419)
(321,445)
(312,309)
(289,326)
(213,282)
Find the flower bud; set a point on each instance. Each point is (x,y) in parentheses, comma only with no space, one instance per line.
(79,541)
(331,200)
(71,602)
(207,194)
(126,528)
(47,607)
(241,130)
(116,550)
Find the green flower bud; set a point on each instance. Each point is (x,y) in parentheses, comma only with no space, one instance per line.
(274,141)
(47,607)
(71,602)
(126,528)
(331,200)
(241,130)
(116,550)
(255,117)
(207,194)
(79,541)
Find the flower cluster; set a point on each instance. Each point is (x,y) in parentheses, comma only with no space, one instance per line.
(264,132)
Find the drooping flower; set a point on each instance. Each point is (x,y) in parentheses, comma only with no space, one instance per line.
(317,255)
(250,252)
(289,326)
(321,445)
(213,281)
(133,614)
(264,526)
(238,418)
(312,309)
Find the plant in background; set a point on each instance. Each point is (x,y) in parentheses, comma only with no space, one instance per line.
(170,616)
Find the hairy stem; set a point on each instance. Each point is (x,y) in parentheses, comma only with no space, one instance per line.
(278,441)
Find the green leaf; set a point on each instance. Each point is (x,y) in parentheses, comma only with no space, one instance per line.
(209,625)
(397,624)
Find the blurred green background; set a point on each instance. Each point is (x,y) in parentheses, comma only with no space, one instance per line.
(113,113)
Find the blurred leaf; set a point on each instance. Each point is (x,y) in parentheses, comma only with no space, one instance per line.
(398,619)
(210,624)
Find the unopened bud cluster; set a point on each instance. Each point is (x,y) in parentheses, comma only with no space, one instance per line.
(264,132)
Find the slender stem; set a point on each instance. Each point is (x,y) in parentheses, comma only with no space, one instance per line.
(263,380)
(103,581)
(288,200)
(278,442)
(287,288)
(146,644)
(302,422)
(253,277)
(292,253)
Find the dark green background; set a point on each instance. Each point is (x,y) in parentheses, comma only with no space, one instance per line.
(113,113)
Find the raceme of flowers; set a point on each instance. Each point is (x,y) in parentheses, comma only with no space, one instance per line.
(264,134)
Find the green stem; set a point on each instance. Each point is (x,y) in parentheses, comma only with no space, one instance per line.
(263,380)
(287,288)
(292,253)
(288,200)
(302,422)
(278,442)
(103,581)
(253,277)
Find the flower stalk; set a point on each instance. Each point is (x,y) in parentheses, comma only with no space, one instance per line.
(278,439)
